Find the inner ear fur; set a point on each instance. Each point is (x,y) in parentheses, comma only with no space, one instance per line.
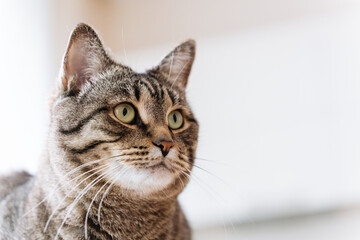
(176,66)
(84,57)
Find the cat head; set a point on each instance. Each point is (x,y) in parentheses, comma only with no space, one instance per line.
(133,130)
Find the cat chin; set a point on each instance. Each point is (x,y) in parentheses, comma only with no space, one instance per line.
(147,180)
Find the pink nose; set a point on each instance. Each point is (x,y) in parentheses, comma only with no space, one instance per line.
(164,145)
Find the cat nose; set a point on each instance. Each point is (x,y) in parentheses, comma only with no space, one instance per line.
(164,145)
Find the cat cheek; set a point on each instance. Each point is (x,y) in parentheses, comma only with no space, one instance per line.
(172,155)
(155,153)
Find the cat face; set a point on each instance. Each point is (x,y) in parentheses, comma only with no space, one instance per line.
(133,130)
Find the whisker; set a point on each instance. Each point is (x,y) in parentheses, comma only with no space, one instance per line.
(185,174)
(49,195)
(182,183)
(87,164)
(209,160)
(210,173)
(67,195)
(199,181)
(88,211)
(80,195)
(105,194)
(177,166)
(68,182)
(217,197)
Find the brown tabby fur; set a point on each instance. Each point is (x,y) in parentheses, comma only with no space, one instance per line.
(92,155)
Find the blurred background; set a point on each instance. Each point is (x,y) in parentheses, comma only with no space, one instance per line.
(275,87)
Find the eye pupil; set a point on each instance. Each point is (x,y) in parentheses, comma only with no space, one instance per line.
(125,112)
(175,119)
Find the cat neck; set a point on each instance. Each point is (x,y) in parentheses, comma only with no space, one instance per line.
(122,217)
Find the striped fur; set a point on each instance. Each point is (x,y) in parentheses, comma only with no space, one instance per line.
(99,178)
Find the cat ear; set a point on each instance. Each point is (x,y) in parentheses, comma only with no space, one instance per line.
(176,66)
(84,57)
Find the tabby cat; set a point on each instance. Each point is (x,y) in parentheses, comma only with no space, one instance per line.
(120,149)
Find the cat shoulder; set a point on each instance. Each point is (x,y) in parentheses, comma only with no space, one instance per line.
(9,182)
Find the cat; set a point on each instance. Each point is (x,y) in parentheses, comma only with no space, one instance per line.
(120,149)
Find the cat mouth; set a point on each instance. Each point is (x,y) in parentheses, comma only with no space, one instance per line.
(160,165)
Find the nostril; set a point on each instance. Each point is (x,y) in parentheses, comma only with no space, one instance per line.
(164,145)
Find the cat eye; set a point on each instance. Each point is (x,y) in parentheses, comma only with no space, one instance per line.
(175,120)
(124,112)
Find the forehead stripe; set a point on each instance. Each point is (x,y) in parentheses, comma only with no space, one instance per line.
(146,85)
(156,86)
(137,92)
(171,95)
(162,92)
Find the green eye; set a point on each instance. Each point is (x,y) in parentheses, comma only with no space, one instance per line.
(175,119)
(124,112)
